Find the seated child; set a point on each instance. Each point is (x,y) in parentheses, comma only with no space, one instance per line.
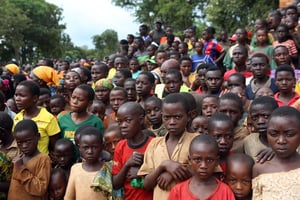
(203,159)
(279,178)
(58,184)
(239,175)
(209,105)
(31,173)
(199,125)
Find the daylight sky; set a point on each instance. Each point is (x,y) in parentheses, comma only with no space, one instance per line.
(86,18)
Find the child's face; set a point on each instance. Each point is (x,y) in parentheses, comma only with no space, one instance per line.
(261,36)
(120,63)
(119,79)
(230,108)
(239,56)
(97,73)
(151,51)
(57,187)
(260,115)
(172,83)
(186,67)
(44,101)
(283,135)
(56,106)
(239,179)
(258,24)
(160,58)
(223,133)
(129,123)
(27,142)
(129,86)
(182,49)
(111,139)
(213,80)
(264,91)
(175,118)
(102,93)
(209,106)
(79,101)
(234,81)
(72,80)
(199,125)
(64,156)
(98,110)
(153,113)
(23,97)
(134,65)
(281,56)
(285,81)
(281,33)
(90,148)
(201,76)
(259,67)
(203,160)
(116,99)
(199,47)
(143,85)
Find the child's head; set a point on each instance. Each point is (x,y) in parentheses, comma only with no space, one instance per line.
(260,111)
(144,84)
(120,62)
(152,106)
(27,94)
(240,55)
(201,71)
(57,104)
(44,98)
(209,105)
(160,57)
(117,97)
(236,80)
(199,47)
(220,126)
(98,108)
(199,125)
(82,97)
(175,114)
(129,86)
(183,48)
(283,131)
(203,156)
(291,22)
(98,71)
(231,105)
(282,32)
(102,90)
(260,23)
(173,81)
(72,80)
(64,152)
(281,55)
(58,184)
(134,65)
(130,118)
(112,136)
(239,175)
(213,79)
(259,65)
(285,79)
(27,135)
(121,75)
(291,11)
(262,36)
(6,124)
(185,65)
(11,104)
(264,91)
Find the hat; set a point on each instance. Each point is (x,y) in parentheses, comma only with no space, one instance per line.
(233,38)
(105,83)
(13,68)
(47,74)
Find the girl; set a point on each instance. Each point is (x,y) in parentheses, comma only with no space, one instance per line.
(134,67)
(120,77)
(58,184)
(144,86)
(185,69)
(102,91)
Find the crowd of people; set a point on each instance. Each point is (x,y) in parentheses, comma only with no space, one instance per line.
(163,118)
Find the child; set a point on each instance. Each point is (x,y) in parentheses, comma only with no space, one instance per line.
(185,69)
(199,84)
(152,108)
(279,178)
(199,125)
(98,71)
(31,173)
(144,86)
(260,111)
(98,109)
(203,159)
(102,91)
(239,175)
(120,76)
(163,171)
(130,87)
(58,184)
(264,91)
(112,136)
(44,98)
(173,82)
(209,105)
(128,156)
(82,174)
(81,98)
(117,97)
(26,96)
(57,104)
(72,80)
(134,67)
(213,80)
(236,80)
(285,82)
(199,57)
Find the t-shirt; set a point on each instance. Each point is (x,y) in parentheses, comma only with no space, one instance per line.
(68,127)
(122,153)
(181,191)
(291,102)
(245,73)
(47,126)
(212,48)
(196,59)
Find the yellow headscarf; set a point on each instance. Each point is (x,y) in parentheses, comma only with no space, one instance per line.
(13,68)
(105,83)
(47,74)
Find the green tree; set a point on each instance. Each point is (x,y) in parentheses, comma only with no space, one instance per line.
(106,43)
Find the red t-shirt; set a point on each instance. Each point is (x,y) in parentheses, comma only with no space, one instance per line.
(246,74)
(181,191)
(122,153)
(291,102)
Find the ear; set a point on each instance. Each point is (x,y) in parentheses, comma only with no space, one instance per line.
(35,98)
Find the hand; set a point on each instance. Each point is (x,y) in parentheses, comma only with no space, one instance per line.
(136,159)
(132,172)
(164,180)
(178,171)
(265,155)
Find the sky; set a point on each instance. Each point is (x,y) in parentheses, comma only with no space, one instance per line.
(86,18)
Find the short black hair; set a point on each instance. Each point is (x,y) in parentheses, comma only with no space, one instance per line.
(120,89)
(86,72)
(89,90)
(286,111)
(59,171)
(261,55)
(191,100)
(183,58)
(154,99)
(6,121)
(33,88)
(266,101)
(204,139)
(219,117)
(91,130)
(232,97)
(177,98)
(125,72)
(240,76)
(67,142)
(60,97)
(45,91)
(175,72)
(133,106)
(103,66)
(28,125)
(241,158)
(149,75)
(284,68)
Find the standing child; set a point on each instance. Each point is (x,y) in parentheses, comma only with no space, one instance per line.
(164,171)
(279,177)
(31,173)
(117,97)
(129,153)
(98,71)
(58,184)
(203,159)
(199,57)
(144,86)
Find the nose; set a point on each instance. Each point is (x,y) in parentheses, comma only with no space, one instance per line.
(152,113)
(222,141)
(281,140)
(238,185)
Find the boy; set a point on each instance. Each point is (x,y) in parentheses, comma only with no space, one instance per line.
(128,155)
(285,82)
(163,171)
(117,97)
(213,80)
(203,159)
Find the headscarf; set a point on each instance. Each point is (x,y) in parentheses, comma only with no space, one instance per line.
(105,83)
(13,68)
(47,74)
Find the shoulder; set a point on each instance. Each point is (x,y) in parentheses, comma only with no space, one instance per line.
(45,113)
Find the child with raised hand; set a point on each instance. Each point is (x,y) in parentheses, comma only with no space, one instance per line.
(279,177)
(129,153)
(81,98)
(31,173)
(164,171)
(239,175)
(203,159)
(58,184)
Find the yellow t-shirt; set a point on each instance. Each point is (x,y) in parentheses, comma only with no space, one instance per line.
(47,125)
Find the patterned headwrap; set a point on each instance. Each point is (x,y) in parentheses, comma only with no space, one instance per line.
(47,74)
(13,68)
(105,83)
